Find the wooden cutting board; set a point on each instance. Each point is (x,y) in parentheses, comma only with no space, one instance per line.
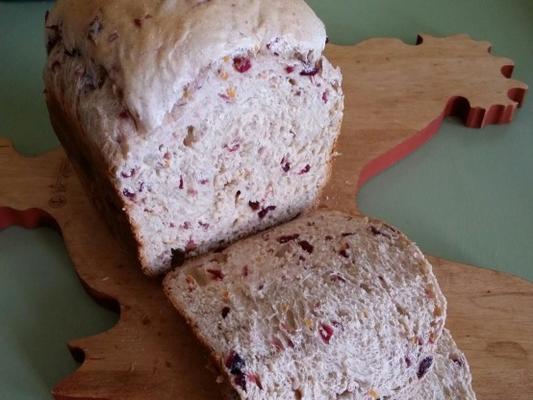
(396,98)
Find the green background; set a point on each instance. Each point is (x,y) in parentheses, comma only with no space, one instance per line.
(466,196)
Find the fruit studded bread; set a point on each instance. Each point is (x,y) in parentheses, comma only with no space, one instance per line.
(328,306)
(193,123)
(450,377)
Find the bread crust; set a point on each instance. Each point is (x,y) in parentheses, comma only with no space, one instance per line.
(94,175)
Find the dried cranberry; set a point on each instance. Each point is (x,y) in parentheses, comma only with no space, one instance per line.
(288,238)
(254,205)
(124,114)
(457,360)
(326,332)
(242,64)
(255,379)
(278,344)
(263,213)
(304,244)
(309,71)
(127,193)
(225,312)
(240,380)
(424,367)
(305,170)
(235,363)
(289,69)
(178,257)
(225,97)
(285,165)
(216,274)
(181,182)
(234,148)
(325,97)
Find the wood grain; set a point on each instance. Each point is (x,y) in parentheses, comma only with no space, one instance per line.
(396,97)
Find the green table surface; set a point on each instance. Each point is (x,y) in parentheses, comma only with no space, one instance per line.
(467,195)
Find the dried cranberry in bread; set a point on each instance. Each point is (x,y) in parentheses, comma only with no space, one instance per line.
(193,123)
(327,306)
(450,378)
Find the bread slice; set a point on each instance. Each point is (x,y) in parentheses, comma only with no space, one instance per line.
(193,123)
(327,306)
(450,377)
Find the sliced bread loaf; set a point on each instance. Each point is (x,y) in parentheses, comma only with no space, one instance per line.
(450,378)
(193,123)
(328,306)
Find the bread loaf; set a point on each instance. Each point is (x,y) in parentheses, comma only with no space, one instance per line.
(193,123)
(328,306)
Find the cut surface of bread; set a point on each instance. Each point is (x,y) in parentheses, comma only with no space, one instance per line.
(194,151)
(328,306)
(450,378)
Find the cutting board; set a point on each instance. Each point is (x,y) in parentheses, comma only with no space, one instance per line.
(397,95)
